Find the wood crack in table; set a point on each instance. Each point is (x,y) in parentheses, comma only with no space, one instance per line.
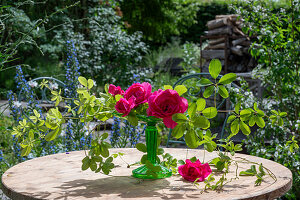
(59,176)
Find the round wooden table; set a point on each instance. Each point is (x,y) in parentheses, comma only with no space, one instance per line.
(59,176)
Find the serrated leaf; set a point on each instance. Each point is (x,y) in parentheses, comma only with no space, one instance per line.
(181,89)
(201,103)
(210,112)
(208,91)
(223,92)
(141,147)
(215,68)
(227,78)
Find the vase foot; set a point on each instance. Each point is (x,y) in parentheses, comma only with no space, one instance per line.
(141,172)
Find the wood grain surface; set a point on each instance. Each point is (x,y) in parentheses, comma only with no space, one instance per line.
(59,176)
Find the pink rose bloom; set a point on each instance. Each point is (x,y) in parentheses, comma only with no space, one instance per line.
(113,90)
(164,103)
(140,92)
(191,171)
(123,106)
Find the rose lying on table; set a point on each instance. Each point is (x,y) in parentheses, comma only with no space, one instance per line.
(194,171)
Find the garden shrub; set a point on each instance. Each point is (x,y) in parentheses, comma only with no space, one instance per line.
(277,52)
(159,20)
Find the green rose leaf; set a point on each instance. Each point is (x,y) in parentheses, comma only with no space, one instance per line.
(201,103)
(191,139)
(208,91)
(160,151)
(223,91)
(235,127)
(260,122)
(205,81)
(181,89)
(179,118)
(245,128)
(178,131)
(227,78)
(118,97)
(144,159)
(252,121)
(231,118)
(283,114)
(201,122)
(85,163)
(215,68)
(192,110)
(210,112)
(104,151)
(132,119)
(168,87)
(141,147)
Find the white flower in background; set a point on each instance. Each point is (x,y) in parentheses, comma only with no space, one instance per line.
(63,133)
(32,84)
(95,84)
(53,86)
(17,104)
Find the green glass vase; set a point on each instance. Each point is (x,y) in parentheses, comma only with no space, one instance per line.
(151,143)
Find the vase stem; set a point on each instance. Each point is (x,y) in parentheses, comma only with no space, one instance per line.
(151,142)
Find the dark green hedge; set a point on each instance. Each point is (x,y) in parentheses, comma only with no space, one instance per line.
(206,12)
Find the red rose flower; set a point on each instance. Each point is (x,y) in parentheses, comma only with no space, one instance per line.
(140,92)
(164,103)
(123,106)
(113,90)
(191,171)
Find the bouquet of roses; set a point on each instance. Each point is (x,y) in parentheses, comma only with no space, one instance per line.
(139,98)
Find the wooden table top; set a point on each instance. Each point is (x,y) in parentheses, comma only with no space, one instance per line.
(59,176)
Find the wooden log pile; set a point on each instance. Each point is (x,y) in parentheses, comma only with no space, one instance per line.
(226,39)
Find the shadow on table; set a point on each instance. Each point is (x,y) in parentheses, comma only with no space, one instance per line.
(117,186)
